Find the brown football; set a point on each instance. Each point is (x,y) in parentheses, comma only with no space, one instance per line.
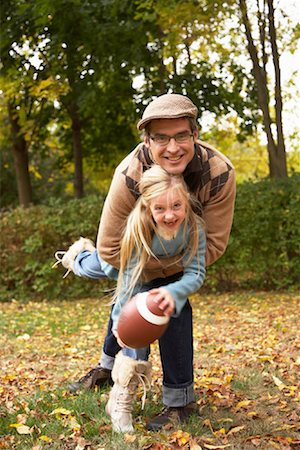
(141,321)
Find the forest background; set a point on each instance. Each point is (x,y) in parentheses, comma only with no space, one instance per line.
(75,78)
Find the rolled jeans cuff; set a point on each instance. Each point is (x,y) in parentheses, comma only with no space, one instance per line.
(178,397)
(106,361)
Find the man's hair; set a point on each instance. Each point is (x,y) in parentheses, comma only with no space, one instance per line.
(191,120)
(140,227)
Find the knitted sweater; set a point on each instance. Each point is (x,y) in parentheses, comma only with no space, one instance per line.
(210,176)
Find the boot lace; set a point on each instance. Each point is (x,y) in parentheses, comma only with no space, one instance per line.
(125,402)
(146,386)
(59,256)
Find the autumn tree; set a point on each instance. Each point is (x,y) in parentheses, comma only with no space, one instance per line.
(260,51)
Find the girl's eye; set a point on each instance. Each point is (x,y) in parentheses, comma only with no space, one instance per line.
(158,208)
(177,205)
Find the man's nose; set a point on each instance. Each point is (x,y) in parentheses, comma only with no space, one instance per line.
(172,145)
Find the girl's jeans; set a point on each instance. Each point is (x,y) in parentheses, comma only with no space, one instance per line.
(176,352)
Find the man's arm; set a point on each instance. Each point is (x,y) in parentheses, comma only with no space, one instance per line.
(218,217)
(118,205)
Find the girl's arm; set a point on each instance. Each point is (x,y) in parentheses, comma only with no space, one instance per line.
(91,265)
(191,280)
(83,259)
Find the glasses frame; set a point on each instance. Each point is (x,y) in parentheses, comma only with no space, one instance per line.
(175,137)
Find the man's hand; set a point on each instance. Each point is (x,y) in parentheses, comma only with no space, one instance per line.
(165,300)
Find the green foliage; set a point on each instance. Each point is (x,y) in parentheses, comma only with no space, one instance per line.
(29,239)
(264,248)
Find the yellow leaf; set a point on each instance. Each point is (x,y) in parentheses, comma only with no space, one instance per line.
(62,411)
(45,438)
(243,404)
(220,431)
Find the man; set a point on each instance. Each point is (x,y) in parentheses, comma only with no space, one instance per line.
(170,140)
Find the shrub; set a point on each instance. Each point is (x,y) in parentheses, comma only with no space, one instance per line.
(30,238)
(264,247)
(263,251)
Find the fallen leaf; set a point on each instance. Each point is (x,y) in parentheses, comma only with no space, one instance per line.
(236,430)
(23,429)
(62,411)
(242,404)
(45,438)
(129,438)
(278,383)
(216,447)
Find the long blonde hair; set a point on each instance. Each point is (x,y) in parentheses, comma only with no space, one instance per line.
(140,226)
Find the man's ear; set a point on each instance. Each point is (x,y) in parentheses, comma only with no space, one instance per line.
(146,140)
(195,134)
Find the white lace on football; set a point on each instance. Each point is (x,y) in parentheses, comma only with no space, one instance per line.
(59,256)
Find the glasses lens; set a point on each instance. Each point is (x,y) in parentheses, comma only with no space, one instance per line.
(164,139)
(182,137)
(161,139)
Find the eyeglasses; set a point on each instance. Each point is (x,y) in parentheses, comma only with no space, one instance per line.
(164,139)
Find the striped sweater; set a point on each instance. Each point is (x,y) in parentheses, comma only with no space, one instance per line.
(210,176)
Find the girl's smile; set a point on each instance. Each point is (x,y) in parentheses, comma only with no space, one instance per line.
(168,211)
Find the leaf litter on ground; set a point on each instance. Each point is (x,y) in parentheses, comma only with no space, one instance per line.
(247,376)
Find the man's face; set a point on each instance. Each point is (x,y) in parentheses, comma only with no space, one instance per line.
(173,156)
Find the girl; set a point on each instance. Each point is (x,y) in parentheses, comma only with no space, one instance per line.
(162,224)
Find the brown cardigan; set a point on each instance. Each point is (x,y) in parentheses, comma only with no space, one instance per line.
(210,176)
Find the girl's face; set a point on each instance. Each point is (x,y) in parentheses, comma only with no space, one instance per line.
(169,210)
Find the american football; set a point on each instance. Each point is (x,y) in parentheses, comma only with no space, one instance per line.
(141,321)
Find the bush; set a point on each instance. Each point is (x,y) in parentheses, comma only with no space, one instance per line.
(263,252)
(29,239)
(264,247)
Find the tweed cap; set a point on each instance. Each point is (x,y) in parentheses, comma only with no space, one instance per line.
(168,106)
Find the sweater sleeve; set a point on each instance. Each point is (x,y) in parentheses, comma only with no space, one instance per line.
(117,207)
(192,278)
(218,211)
(91,265)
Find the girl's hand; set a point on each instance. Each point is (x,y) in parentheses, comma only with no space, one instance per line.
(165,300)
(116,334)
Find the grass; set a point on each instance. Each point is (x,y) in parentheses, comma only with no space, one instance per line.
(247,365)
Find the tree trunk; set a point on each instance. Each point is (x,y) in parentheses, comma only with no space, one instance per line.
(281,154)
(277,158)
(21,160)
(77,151)
(162,68)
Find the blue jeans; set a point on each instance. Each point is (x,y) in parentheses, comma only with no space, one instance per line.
(176,352)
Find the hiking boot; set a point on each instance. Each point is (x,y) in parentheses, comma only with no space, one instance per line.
(126,373)
(98,376)
(172,415)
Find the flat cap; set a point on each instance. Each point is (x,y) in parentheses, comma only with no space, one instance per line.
(168,106)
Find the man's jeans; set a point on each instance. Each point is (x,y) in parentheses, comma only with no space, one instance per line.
(176,352)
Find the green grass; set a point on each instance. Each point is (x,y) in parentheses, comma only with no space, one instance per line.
(246,377)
